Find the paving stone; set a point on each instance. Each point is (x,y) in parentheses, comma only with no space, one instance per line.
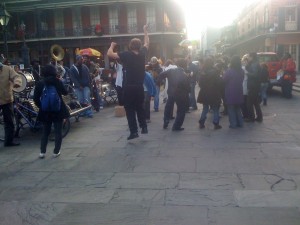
(178,215)
(97,214)
(165,164)
(200,198)
(256,198)
(139,197)
(209,181)
(50,164)
(20,213)
(253,216)
(144,180)
(76,179)
(289,166)
(24,179)
(75,195)
(281,151)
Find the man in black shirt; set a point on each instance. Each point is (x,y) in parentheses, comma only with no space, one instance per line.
(134,65)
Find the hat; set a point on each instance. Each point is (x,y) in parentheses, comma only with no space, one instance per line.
(153,60)
(78,57)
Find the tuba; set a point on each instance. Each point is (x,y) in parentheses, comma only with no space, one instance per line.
(57,52)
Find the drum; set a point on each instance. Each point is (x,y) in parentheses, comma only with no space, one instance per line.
(27,82)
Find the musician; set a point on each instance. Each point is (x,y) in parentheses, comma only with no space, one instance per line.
(9,79)
(81,79)
(133,90)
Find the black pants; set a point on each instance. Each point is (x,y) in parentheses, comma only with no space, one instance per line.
(120,95)
(147,101)
(286,87)
(134,106)
(244,108)
(182,104)
(8,118)
(58,135)
(253,102)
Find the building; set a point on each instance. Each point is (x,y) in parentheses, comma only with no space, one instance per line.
(267,25)
(75,24)
(209,37)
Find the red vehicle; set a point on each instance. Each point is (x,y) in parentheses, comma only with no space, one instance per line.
(273,62)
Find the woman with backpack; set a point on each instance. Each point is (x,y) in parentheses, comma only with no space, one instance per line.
(52,109)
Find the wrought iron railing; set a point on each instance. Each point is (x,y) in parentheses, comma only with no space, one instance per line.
(88,31)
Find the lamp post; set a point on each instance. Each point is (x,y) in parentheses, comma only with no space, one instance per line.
(24,50)
(4,19)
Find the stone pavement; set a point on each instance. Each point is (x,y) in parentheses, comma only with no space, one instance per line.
(248,176)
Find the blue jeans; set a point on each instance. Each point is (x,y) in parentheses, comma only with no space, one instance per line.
(235,116)
(216,116)
(156,98)
(84,97)
(263,90)
(193,103)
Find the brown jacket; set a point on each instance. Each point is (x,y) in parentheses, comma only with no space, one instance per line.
(8,78)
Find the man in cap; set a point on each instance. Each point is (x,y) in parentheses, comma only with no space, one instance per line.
(9,79)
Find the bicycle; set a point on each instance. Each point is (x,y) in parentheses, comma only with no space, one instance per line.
(26,113)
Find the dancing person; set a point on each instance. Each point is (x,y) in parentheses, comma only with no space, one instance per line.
(50,77)
(178,92)
(9,79)
(133,90)
(156,70)
(254,81)
(233,79)
(210,93)
(149,92)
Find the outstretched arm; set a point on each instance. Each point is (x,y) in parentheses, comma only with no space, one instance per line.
(110,53)
(146,37)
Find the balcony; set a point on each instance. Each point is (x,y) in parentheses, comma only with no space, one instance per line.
(87,32)
(291,25)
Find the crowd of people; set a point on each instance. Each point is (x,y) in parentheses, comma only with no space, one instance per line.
(238,84)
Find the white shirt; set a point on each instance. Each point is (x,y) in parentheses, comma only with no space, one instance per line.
(119,79)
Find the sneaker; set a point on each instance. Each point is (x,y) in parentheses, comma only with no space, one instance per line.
(144,130)
(42,155)
(218,127)
(56,155)
(133,136)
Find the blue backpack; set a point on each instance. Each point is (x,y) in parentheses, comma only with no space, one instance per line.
(50,100)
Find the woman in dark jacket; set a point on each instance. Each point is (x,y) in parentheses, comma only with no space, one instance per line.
(210,94)
(47,118)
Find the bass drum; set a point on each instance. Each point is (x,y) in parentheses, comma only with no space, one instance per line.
(27,82)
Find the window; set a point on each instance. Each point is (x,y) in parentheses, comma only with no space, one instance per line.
(94,16)
(293,51)
(151,17)
(266,17)
(113,20)
(290,14)
(132,20)
(59,23)
(77,25)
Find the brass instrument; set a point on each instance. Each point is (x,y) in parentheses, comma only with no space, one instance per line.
(57,52)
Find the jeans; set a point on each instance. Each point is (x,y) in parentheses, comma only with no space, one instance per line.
(235,116)
(8,118)
(253,101)
(156,98)
(193,103)
(58,135)
(147,101)
(84,97)
(134,106)
(263,91)
(216,115)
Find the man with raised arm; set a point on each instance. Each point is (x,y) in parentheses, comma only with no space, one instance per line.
(134,65)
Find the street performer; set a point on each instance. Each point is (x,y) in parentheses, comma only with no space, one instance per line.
(133,91)
(9,79)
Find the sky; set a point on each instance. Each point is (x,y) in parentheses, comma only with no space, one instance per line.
(214,13)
